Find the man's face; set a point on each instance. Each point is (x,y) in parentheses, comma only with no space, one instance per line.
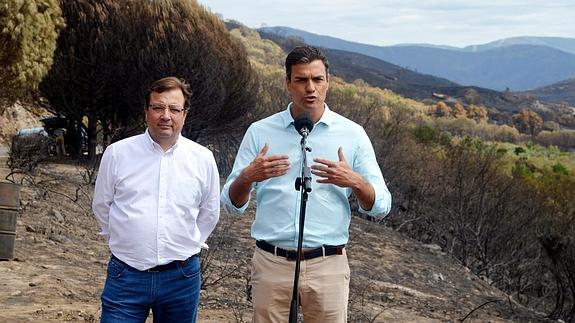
(308,87)
(165,116)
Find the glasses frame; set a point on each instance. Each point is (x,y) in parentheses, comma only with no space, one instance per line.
(160,109)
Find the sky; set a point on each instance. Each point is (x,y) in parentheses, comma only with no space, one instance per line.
(390,22)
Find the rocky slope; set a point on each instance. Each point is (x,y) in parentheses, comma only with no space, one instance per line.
(14,116)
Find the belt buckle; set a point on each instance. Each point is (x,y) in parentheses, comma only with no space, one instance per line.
(291,255)
(153,270)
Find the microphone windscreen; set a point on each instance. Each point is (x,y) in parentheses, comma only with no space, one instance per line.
(303,121)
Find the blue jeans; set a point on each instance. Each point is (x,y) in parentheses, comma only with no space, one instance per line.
(172,294)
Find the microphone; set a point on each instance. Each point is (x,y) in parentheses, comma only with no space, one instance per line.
(303,124)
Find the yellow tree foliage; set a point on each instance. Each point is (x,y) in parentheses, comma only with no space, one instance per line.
(28,32)
(262,51)
(441,109)
(458,110)
(477,113)
(528,121)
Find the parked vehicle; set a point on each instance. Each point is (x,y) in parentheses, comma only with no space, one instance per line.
(58,136)
(32,143)
(75,136)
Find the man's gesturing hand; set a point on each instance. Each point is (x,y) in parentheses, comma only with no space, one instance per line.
(338,173)
(264,167)
(261,168)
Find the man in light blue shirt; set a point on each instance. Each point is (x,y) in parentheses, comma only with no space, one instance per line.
(268,161)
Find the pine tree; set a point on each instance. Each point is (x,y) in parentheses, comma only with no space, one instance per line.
(28,32)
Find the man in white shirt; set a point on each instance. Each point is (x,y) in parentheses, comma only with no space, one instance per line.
(157,201)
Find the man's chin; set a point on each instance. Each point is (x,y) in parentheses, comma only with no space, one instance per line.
(313,107)
(164,133)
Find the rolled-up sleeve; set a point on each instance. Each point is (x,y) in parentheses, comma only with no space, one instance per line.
(246,154)
(365,164)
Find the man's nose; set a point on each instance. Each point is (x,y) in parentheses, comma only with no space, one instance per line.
(309,86)
(166,114)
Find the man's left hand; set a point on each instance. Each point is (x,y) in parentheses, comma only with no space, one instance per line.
(338,173)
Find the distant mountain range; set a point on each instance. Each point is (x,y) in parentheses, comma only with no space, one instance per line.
(516,64)
(351,66)
(560,43)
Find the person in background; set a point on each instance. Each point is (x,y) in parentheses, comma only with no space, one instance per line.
(268,162)
(156,200)
(60,145)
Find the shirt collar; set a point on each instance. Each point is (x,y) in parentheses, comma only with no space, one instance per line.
(326,118)
(155,146)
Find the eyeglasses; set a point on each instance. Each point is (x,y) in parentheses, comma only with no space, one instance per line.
(173,109)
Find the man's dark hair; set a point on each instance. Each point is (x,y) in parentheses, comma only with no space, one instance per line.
(170,83)
(305,55)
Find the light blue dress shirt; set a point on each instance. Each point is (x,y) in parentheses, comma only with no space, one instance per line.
(328,211)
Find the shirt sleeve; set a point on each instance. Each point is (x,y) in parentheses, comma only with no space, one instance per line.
(104,191)
(365,163)
(209,212)
(246,154)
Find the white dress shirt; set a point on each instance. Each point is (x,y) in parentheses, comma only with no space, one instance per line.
(155,207)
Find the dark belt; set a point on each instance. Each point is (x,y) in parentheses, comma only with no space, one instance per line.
(170,265)
(305,255)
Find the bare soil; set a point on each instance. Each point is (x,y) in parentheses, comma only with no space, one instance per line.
(60,266)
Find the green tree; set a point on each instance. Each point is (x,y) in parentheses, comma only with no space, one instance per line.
(28,32)
(556,234)
(426,134)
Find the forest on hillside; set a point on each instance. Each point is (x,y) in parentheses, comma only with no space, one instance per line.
(499,198)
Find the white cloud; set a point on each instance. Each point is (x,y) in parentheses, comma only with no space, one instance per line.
(388,22)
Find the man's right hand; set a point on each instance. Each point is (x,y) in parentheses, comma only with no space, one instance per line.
(264,167)
(261,168)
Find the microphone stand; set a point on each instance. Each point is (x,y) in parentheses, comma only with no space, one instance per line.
(302,184)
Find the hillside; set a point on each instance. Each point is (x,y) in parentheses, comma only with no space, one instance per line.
(486,215)
(560,92)
(15,116)
(516,66)
(60,263)
(350,66)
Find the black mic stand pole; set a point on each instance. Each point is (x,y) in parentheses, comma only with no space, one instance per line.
(302,184)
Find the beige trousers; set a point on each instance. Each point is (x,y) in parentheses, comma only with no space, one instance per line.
(323,288)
